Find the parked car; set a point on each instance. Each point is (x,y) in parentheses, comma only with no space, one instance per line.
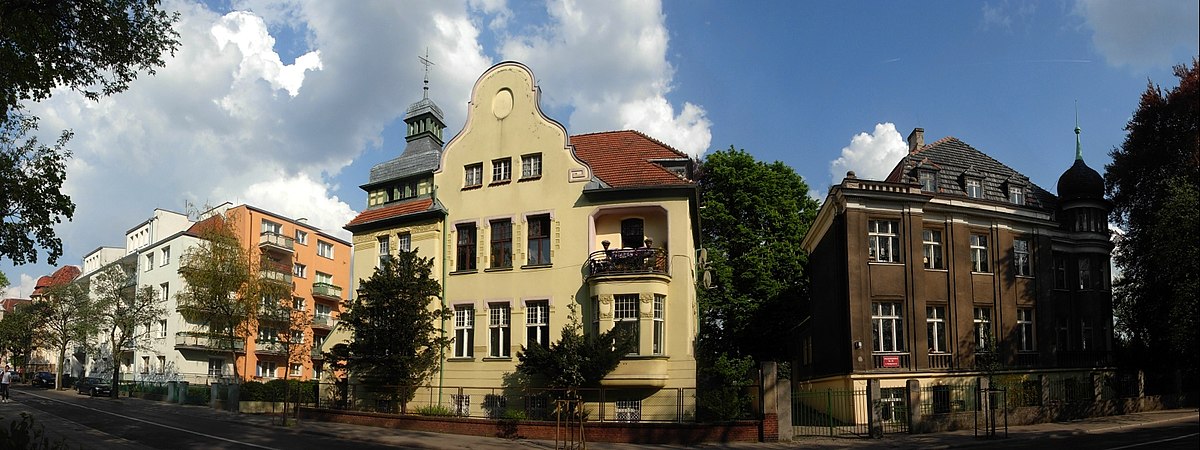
(43,379)
(93,386)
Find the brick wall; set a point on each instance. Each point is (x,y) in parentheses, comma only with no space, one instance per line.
(642,433)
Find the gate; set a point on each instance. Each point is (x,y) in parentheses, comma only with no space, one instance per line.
(845,413)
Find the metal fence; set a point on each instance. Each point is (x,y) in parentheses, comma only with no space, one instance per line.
(844,412)
(598,404)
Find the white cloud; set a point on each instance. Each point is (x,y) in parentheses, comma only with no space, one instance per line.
(20,286)
(259,61)
(1143,34)
(870,155)
(625,70)
(300,197)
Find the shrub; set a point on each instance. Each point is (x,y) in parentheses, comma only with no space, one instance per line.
(252,391)
(435,410)
(275,390)
(27,434)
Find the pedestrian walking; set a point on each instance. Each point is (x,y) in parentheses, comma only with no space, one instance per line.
(5,379)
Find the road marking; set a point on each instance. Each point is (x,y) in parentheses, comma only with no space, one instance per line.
(1155,442)
(152,423)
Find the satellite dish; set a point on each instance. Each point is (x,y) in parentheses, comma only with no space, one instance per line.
(706,279)
(702,257)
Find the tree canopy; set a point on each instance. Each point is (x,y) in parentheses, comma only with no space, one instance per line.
(753,216)
(1154,185)
(93,47)
(67,317)
(124,310)
(576,359)
(397,341)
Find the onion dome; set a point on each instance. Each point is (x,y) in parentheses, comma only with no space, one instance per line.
(1080,181)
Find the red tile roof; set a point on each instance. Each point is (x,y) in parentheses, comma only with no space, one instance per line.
(63,275)
(623,158)
(388,212)
(11,304)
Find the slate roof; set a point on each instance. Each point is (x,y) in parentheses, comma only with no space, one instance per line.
(623,159)
(954,158)
(393,211)
(63,275)
(420,156)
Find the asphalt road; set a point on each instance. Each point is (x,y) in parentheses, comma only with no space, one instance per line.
(111,423)
(1160,436)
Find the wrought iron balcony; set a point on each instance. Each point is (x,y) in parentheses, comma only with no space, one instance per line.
(202,341)
(275,241)
(627,261)
(327,291)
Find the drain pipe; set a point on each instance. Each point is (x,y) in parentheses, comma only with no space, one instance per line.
(442,300)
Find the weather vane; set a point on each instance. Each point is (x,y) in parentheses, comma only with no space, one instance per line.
(425,60)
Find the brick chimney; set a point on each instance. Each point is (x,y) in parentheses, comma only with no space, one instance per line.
(916,139)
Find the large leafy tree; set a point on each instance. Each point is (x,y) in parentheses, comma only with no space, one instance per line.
(576,359)
(221,295)
(1154,184)
(67,318)
(93,47)
(15,337)
(753,216)
(395,321)
(283,323)
(124,310)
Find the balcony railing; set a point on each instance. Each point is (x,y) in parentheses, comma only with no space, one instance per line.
(891,361)
(941,361)
(627,261)
(323,321)
(327,290)
(1084,359)
(268,273)
(1026,359)
(202,341)
(269,347)
(316,353)
(269,239)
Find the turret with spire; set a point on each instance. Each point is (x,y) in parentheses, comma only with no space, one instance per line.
(1081,193)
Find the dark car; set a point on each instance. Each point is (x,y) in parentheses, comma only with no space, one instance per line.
(42,379)
(93,386)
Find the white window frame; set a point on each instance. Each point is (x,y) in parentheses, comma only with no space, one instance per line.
(887,324)
(931,246)
(501,170)
(499,330)
(1025,330)
(299,270)
(625,313)
(927,180)
(149,261)
(935,328)
(385,251)
(974,188)
(464,331)
(266,369)
(162,328)
(324,249)
(301,237)
(660,324)
(980,258)
(166,256)
(883,241)
(271,227)
(983,328)
(531,166)
(537,323)
(1016,195)
(323,277)
(296,370)
(473,175)
(1021,262)
(404,242)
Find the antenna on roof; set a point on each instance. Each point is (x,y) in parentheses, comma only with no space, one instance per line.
(1078,146)
(425,60)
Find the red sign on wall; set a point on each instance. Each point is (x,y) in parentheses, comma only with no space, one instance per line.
(891,361)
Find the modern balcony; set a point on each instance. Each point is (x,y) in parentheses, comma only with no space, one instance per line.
(274,241)
(627,261)
(275,274)
(188,340)
(269,348)
(323,322)
(327,291)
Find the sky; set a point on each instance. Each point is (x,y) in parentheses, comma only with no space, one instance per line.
(286,105)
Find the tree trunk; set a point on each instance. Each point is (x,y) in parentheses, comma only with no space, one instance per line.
(62,351)
(116,378)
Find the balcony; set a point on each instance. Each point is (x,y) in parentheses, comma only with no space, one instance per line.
(627,261)
(187,340)
(269,348)
(638,371)
(316,353)
(324,322)
(274,241)
(275,274)
(941,361)
(1026,359)
(327,291)
(891,361)
(1084,359)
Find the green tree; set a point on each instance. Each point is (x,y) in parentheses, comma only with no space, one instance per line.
(67,318)
(394,319)
(15,336)
(220,296)
(126,311)
(283,324)
(93,47)
(577,359)
(753,216)
(1154,184)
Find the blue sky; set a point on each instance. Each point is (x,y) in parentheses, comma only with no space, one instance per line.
(287,105)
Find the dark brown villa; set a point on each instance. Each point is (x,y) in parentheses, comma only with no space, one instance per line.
(951,258)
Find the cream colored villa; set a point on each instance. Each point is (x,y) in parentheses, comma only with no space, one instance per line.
(524,221)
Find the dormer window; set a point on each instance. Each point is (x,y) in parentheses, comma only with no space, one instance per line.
(973,188)
(1016,194)
(928,180)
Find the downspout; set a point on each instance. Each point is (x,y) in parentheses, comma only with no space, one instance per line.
(442,327)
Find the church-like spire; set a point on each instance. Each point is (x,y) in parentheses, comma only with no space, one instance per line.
(1078,146)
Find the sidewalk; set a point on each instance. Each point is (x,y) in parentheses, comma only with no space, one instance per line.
(426,440)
